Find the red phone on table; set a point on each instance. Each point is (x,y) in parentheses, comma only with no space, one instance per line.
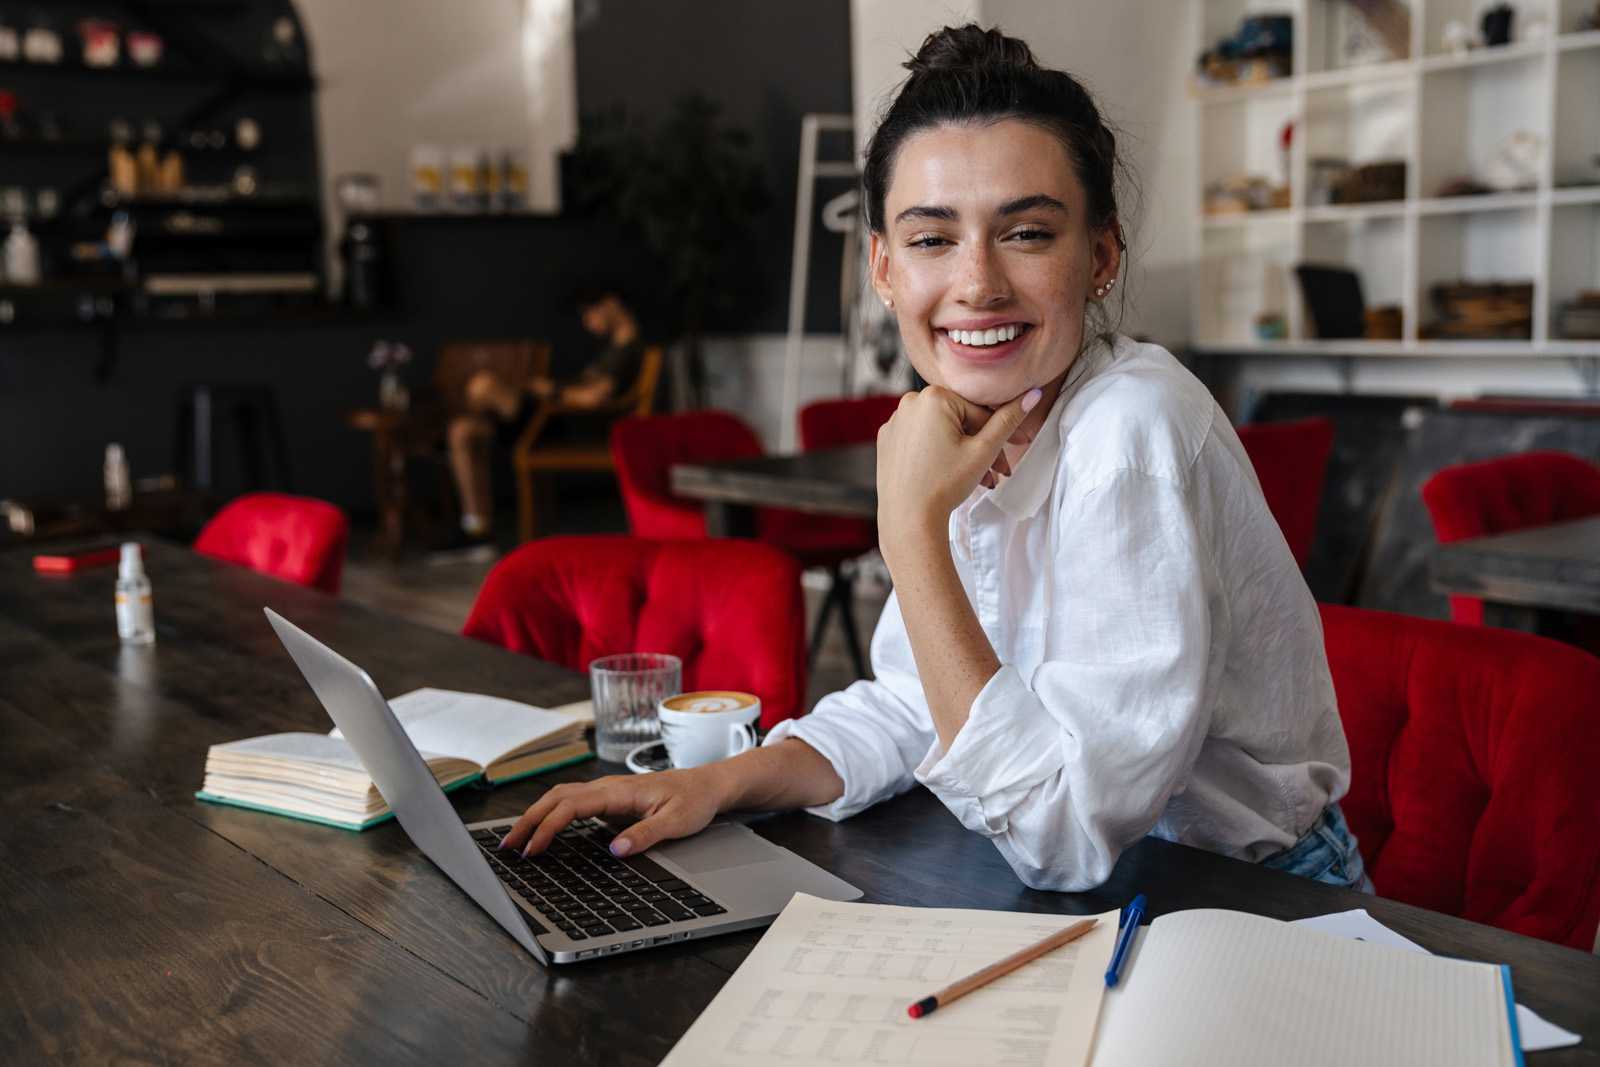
(79,558)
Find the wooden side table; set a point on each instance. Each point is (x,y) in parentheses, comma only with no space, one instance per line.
(392,435)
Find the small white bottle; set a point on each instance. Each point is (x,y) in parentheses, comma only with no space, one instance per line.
(22,256)
(136,620)
(119,487)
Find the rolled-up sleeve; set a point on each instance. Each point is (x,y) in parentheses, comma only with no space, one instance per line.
(875,731)
(1067,762)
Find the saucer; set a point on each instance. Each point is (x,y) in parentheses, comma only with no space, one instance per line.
(650,756)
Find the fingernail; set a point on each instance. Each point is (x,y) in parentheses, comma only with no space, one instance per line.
(1031,401)
(621,846)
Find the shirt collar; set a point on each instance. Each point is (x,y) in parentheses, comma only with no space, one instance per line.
(1023,493)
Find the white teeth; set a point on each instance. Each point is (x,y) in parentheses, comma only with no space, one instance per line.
(983,338)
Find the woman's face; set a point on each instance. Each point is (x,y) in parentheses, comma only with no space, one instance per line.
(986,238)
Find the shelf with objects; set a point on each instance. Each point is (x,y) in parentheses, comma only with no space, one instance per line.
(159,164)
(1443,153)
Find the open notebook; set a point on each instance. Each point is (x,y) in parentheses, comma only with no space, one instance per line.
(829,983)
(463,737)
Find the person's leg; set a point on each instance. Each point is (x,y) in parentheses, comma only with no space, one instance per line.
(468,437)
(485,392)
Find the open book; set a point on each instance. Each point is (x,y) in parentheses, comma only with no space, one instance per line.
(463,737)
(829,983)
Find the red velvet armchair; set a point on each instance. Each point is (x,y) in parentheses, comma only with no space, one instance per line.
(1291,462)
(731,610)
(1473,754)
(1505,494)
(295,538)
(645,449)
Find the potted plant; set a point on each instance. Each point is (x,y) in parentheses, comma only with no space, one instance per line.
(692,188)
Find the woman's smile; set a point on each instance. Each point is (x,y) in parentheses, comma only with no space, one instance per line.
(984,344)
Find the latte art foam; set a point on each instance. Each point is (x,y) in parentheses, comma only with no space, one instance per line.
(710,702)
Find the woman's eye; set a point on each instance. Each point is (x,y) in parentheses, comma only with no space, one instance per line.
(1032,235)
(926,241)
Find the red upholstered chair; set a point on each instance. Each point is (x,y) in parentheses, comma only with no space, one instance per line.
(731,610)
(295,538)
(645,449)
(1291,462)
(1505,494)
(1473,755)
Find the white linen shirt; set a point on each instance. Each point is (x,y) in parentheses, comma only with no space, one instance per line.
(1162,665)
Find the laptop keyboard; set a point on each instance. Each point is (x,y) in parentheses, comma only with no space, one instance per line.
(587,892)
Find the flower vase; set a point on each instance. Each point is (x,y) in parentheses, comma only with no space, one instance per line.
(392,393)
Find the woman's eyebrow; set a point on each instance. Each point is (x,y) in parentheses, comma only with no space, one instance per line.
(1031,203)
(926,211)
(1011,207)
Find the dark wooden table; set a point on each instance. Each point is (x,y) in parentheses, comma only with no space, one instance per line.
(1535,579)
(142,925)
(833,481)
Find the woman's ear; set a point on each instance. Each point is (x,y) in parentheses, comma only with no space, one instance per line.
(1107,253)
(878,257)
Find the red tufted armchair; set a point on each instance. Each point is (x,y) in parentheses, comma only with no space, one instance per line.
(1473,755)
(645,449)
(1505,494)
(1291,462)
(731,610)
(295,538)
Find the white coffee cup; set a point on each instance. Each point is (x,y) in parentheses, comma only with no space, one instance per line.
(706,726)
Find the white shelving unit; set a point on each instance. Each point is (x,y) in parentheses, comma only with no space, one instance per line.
(1445,115)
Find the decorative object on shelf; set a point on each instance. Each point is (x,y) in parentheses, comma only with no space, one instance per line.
(21,255)
(1244,193)
(1457,38)
(466,188)
(1285,152)
(145,48)
(102,43)
(1371,183)
(513,180)
(10,42)
(1588,20)
(358,194)
(387,357)
(1385,323)
(1498,23)
(1482,311)
(1382,33)
(427,177)
(1333,297)
(1324,174)
(1271,326)
(1262,49)
(41,44)
(1580,319)
(1515,163)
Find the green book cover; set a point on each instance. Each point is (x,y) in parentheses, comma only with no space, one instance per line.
(212,798)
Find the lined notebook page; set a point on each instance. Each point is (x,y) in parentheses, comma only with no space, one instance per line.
(1226,989)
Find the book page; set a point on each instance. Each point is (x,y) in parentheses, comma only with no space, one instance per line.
(1226,989)
(298,748)
(475,727)
(830,983)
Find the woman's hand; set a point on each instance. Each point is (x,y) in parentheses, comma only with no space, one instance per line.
(931,453)
(668,804)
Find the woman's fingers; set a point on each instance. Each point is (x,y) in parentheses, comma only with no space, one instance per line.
(674,820)
(560,805)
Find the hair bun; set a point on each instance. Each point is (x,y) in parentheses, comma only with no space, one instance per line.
(969,47)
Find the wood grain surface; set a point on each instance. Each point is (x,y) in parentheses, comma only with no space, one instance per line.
(143,926)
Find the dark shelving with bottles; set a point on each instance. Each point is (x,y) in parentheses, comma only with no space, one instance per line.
(202,147)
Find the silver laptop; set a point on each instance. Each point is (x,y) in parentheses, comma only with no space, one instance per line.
(575,901)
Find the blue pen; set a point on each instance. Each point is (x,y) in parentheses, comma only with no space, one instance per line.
(1130,927)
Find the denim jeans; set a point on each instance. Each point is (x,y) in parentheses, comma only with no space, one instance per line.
(1327,853)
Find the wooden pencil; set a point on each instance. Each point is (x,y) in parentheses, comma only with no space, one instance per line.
(978,979)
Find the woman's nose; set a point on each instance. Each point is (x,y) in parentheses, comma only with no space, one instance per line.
(983,282)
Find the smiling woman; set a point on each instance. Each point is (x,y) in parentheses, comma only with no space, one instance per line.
(1097,630)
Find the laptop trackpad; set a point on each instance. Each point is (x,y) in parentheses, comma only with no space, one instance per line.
(715,848)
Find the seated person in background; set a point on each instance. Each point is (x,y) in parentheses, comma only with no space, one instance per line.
(492,401)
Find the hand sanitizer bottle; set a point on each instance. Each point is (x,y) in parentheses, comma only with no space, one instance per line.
(136,621)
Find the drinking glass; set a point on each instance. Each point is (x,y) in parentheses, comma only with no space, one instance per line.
(627,688)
